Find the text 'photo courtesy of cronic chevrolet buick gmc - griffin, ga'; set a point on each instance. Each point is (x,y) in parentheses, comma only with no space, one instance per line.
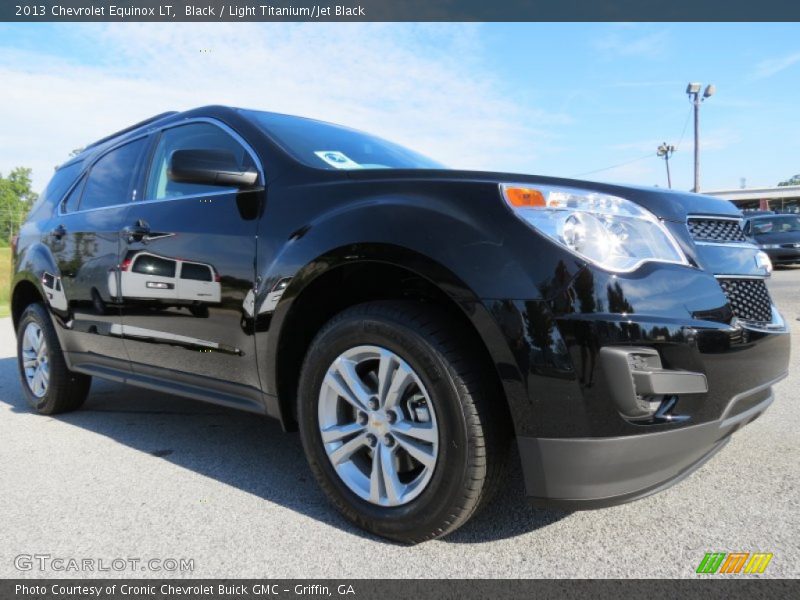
(413,322)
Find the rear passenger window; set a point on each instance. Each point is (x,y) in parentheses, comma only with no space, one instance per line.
(154,265)
(196,272)
(195,136)
(112,178)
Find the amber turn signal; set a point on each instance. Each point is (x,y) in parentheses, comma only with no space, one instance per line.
(521,197)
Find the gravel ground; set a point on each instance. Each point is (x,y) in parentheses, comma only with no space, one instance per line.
(142,475)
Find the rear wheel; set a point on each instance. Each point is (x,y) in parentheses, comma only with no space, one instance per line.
(48,385)
(396,416)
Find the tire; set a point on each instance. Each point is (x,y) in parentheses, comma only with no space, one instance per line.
(199,311)
(98,304)
(462,400)
(64,390)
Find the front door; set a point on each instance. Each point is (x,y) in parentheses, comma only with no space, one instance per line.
(189,263)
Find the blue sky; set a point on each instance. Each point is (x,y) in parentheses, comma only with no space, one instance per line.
(555,99)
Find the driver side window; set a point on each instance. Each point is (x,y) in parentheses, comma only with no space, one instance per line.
(194,136)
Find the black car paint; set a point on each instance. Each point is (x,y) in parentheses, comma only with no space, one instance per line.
(541,313)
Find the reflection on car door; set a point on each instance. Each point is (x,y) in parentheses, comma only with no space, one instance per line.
(144,276)
(198,282)
(85,242)
(198,264)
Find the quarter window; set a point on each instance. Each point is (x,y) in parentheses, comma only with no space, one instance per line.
(71,201)
(58,185)
(112,178)
(195,136)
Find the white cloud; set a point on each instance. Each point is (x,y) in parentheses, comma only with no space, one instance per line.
(773,66)
(640,146)
(420,85)
(628,44)
(645,84)
(719,139)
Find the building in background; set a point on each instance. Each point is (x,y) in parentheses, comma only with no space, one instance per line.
(778,199)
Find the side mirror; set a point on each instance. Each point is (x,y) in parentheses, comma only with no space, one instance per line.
(209,167)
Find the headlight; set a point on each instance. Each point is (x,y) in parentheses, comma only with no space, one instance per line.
(769,246)
(609,231)
(763,262)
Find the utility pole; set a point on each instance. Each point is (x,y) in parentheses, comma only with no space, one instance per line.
(666,151)
(693,91)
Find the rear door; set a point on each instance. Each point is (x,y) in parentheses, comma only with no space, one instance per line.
(85,242)
(192,334)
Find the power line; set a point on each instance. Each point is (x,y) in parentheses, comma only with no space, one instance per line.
(685,125)
(622,164)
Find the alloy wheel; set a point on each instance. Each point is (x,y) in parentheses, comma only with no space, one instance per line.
(35,360)
(378,426)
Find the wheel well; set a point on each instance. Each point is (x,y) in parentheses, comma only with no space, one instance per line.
(24,295)
(339,289)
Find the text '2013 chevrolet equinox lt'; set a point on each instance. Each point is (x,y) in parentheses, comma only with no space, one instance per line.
(411,321)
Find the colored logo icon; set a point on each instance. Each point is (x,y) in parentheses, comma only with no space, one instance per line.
(734,562)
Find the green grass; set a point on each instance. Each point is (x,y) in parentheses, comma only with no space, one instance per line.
(5,281)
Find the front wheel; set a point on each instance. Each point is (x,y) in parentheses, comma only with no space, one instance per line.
(397,419)
(47,384)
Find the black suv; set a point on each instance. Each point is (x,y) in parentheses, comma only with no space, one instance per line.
(410,320)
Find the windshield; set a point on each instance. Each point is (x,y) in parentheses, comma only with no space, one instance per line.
(327,146)
(776,225)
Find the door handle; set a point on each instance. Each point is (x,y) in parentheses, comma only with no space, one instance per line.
(59,232)
(136,232)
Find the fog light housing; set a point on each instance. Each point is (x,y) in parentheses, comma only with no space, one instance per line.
(639,384)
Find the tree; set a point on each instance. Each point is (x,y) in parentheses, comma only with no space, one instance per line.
(16,199)
(794,180)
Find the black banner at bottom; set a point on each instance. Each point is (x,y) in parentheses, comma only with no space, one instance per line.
(392,589)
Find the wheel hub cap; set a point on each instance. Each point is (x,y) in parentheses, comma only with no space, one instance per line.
(35,360)
(369,412)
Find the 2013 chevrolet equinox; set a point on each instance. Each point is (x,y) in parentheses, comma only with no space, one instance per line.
(410,320)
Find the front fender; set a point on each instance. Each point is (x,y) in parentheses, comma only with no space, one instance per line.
(477,240)
(463,256)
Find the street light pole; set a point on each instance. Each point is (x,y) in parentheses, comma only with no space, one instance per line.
(693,91)
(666,151)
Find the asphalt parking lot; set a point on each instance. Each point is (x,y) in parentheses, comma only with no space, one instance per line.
(142,475)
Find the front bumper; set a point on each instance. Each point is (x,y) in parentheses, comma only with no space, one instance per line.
(580,448)
(586,473)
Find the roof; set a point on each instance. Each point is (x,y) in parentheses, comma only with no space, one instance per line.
(130,128)
(767,193)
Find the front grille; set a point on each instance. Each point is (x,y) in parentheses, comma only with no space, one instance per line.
(749,299)
(709,229)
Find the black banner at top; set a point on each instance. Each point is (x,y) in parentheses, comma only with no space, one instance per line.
(398,10)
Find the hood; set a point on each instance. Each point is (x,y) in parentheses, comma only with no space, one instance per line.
(666,204)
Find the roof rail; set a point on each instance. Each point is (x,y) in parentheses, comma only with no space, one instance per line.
(131,128)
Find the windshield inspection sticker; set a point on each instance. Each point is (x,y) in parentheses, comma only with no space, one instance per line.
(337,160)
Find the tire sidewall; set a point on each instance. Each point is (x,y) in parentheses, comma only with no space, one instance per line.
(448,480)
